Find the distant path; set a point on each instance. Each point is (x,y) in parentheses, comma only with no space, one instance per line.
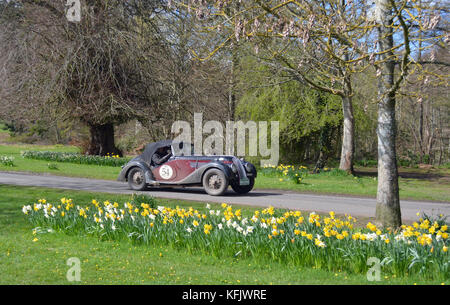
(282,199)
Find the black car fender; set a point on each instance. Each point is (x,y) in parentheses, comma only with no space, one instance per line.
(225,169)
(123,176)
(250,168)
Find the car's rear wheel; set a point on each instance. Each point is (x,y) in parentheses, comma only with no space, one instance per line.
(215,182)
(243,189)
(136,179)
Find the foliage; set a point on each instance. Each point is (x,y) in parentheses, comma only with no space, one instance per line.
(53,166)
(302,112)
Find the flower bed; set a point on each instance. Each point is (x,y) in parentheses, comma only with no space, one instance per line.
(109,160)
(290,237)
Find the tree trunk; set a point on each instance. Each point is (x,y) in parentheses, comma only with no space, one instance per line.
(388,203)
(347,150)
(232,84)
(324,147)
(102,140)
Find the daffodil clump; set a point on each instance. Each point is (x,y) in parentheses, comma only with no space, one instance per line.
(108,160)
(296,174)
(7,161)
(328,242)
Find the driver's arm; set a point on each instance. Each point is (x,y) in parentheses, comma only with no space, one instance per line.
(158,161)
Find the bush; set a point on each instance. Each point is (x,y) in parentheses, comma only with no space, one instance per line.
(53,166)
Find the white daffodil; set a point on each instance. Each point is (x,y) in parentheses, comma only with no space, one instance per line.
(189,230)
(208,206)
(25,210)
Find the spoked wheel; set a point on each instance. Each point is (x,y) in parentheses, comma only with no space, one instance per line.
(243,189)
(136,179)
(215,182)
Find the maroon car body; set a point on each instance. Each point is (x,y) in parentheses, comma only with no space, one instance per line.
(183,168)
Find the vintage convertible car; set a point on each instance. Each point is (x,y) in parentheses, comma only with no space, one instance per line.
(214,173)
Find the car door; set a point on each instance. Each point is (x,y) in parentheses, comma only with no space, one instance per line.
(175,169)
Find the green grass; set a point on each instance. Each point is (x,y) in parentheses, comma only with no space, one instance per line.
(63,169)
(417,189)
(23,261)
(324,183)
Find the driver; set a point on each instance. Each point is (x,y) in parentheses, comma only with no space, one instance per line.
(159,158)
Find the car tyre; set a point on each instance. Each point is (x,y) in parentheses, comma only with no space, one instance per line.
(215,182)
(243,189)
(136,179)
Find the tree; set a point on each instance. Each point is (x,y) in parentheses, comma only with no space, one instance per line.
(100,70)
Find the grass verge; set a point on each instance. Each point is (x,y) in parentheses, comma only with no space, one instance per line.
(23,261)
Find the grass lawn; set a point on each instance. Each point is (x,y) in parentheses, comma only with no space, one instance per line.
(432,189)
(417,189)
(63,169)
(23,261)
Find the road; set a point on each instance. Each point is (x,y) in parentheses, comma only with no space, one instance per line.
(282,199)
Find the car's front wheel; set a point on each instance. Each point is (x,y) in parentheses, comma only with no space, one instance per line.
(243,189)
(136,179)
(215,182)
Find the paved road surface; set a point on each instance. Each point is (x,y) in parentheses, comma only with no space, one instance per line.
(282,199)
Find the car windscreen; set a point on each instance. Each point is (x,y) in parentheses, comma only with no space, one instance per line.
(182,149)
